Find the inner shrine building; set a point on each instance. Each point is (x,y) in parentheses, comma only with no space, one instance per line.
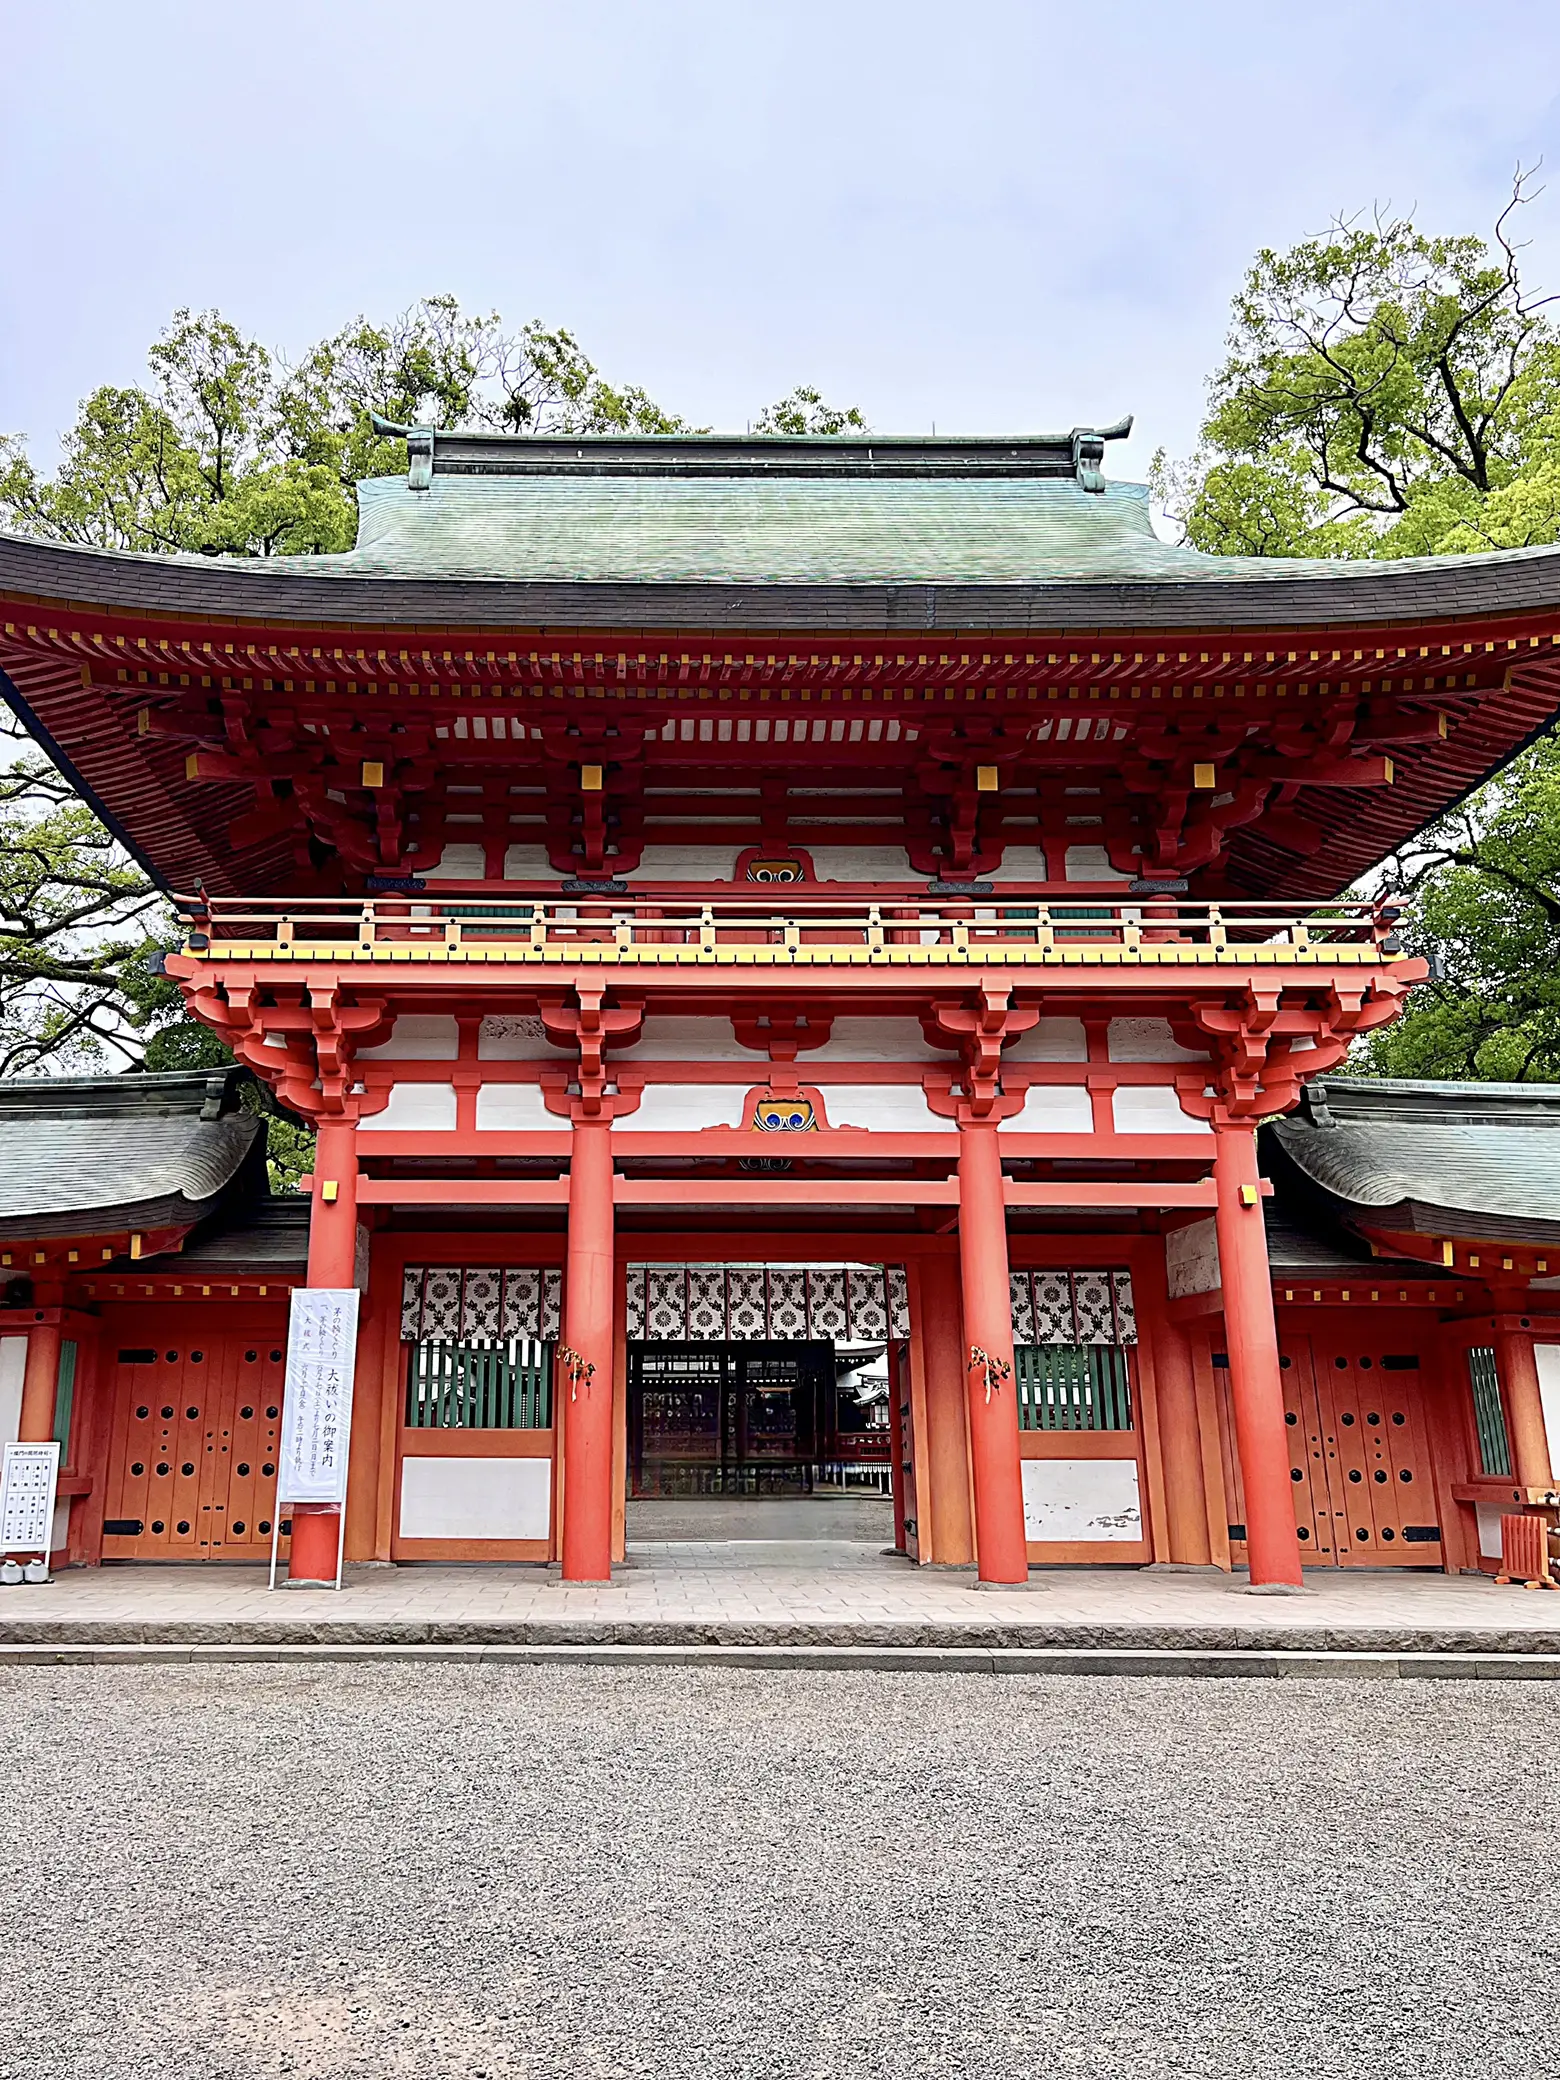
(812,962)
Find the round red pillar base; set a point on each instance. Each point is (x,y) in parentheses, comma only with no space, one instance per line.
(316,1532)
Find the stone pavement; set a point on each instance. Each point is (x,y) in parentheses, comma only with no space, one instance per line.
(809,1593)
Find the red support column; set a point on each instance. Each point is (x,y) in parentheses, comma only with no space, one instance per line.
(947,1535)
(1000,1552)
(587,1400)
(1524,1406)
(1256,1390)
(41,1378)
(332,1265)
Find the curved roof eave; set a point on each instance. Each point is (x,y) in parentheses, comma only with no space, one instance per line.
(1225,594)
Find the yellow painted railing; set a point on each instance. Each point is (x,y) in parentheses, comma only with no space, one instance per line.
(833,930)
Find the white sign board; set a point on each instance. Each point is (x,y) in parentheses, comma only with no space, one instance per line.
(317,1396)
(27,1487)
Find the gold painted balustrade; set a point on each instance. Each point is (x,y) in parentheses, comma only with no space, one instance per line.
(830,931)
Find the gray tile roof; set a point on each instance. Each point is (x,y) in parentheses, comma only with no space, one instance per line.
(1431,1158)
(102,1154)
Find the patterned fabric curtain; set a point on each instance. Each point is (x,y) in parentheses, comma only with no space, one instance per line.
(472,1304)
(1073,1307)
(749,1303)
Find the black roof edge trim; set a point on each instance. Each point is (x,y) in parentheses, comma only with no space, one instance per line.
(66,765)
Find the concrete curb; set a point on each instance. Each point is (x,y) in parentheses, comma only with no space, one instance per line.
(1182,1662)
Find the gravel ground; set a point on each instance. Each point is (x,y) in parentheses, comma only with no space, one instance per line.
(502,1872)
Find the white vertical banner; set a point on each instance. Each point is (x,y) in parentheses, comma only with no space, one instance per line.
(317,1407)
(317,1396)
(27,1489)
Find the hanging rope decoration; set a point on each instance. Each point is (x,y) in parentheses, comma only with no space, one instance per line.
(580,1370)
(995,1369)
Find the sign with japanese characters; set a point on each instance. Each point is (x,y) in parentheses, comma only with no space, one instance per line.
(317,1396)
(27,1488)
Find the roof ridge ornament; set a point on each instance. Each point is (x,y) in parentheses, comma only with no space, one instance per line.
(1088,451)
(419,449)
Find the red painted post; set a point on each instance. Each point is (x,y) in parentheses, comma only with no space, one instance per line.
(1256,1389)
(41,1378)
(333,1266)
(988,1326)
(587,1402)
(1518,1372)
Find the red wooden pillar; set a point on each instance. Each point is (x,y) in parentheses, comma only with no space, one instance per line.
(1180,1439)
(586,1545)
(1524,1406)
(1256,1388)
(332,1265)
(1000,1552)
(937,1326)
(41,1378)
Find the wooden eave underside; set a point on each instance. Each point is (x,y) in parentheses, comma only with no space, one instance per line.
(85,673)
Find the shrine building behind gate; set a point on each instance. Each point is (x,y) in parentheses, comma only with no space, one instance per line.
(789,946)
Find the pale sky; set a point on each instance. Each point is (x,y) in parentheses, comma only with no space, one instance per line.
(995,217)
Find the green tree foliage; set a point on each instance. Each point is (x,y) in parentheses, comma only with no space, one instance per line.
(1481,892)
(804,411)
(1384,393)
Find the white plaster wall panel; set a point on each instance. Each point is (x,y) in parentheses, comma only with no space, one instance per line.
(685,863)
(1051,1040)
(528,863)
(415,1108)
(1020,863)
(683,1108)
(518,1037)
(458,863)
(476,1498)
(1090,863)
(884,1108)
(13,1368)
(1082,1502)
(1052,1108)
(418,1036)
(1147,1040)
(1153,1108)
(1546,1358)
(59,1527)
(876,1040)
(689,1039)
(1192,1259)
(1488,1514)
(860,862)
(516,1108)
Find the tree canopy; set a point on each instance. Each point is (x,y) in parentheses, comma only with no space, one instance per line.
(1385,392)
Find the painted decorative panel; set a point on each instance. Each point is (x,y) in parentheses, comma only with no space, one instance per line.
(1023,1302)
(826,1314)
(666,1311)
(706,1303)
(867,1306)
(411,1303)
(522,1303)
(552,1306)
(480,1313)
(441,1306)
(748,1313)
(1126,1310)
(1095,1316)
(635,1325)
(898,1301)
(1053,1308)
(787,1306)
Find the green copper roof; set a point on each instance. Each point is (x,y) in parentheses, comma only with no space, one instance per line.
(745,530)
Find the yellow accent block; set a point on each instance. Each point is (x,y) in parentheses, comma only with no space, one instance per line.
(1248,1195)
(985,780)
(1204,775)
(330,1191)
(590,779)
(373,772)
